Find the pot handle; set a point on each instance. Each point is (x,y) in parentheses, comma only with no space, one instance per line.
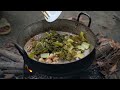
(78,18)
(20,49)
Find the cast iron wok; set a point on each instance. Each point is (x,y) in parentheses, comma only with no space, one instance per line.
(64,25)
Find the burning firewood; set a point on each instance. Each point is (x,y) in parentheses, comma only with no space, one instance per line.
(16,72)
(11,65)
(11,55)
(103,50)
(2,58)
(8,76)
(108,57)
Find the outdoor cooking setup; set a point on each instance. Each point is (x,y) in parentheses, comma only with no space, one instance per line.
(101,62)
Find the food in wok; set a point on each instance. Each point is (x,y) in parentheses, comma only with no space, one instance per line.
(54,47)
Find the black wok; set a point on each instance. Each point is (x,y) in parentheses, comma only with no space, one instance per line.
(63,25)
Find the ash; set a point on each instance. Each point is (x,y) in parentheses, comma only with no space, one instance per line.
(92,73)
(41,76)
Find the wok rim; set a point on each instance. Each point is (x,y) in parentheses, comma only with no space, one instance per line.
(78,23)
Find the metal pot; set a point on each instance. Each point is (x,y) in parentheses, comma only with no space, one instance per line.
(64,25)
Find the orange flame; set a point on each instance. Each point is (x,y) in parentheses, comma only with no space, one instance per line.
(29,69)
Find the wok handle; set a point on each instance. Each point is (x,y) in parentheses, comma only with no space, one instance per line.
(20,49)
(78,18)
